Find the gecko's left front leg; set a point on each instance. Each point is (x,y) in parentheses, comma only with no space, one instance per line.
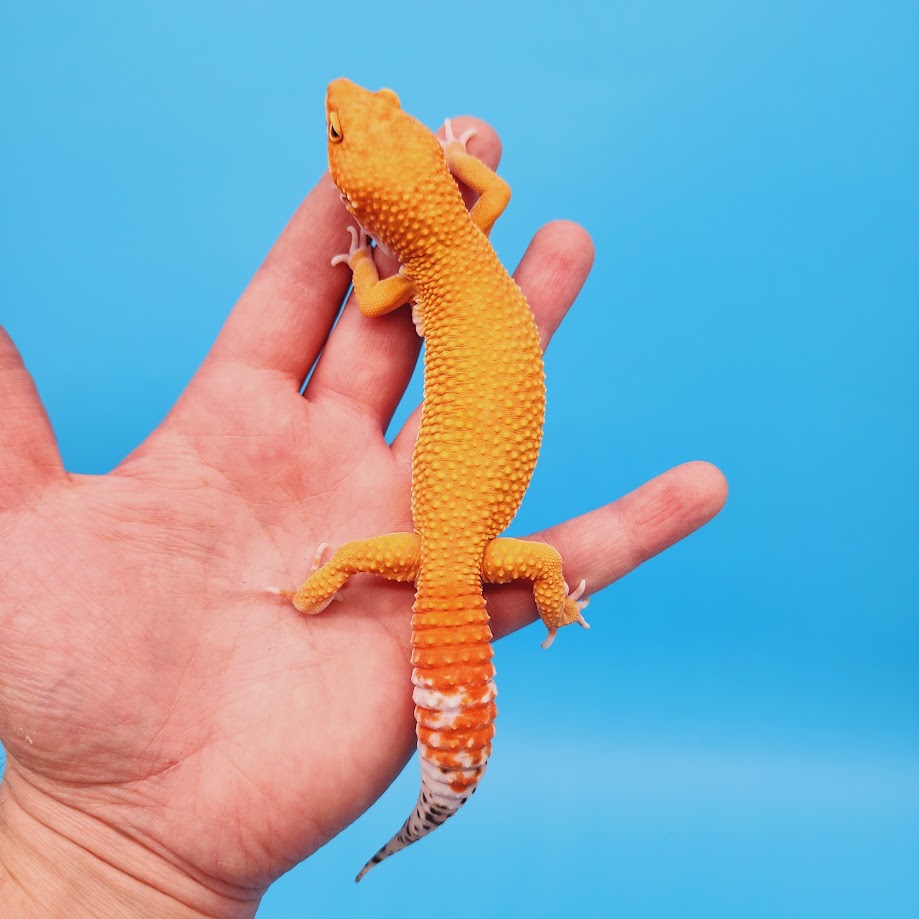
(396,557)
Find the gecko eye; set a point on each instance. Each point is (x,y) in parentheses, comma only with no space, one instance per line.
(335,134)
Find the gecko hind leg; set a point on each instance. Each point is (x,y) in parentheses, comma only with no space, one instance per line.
(580,604)
(315,566)
(396,557)
(508,559)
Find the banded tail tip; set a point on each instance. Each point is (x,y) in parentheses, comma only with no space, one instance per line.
(431,810)
(373,861)
(396,844)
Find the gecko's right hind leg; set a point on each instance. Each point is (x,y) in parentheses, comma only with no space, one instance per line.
(509,559)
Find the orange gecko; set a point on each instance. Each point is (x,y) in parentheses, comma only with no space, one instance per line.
(481,427)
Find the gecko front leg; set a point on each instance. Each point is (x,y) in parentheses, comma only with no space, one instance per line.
(374,297)
(494,193)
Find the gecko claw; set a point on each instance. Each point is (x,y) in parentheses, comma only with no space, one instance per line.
(580,604)
(450,137)
(317,556)
(550,637)
(571,612)
(359,242)
(279,592)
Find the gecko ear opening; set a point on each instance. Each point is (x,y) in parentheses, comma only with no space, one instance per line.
(390,97)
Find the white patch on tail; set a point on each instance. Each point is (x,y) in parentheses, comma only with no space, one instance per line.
(437,800)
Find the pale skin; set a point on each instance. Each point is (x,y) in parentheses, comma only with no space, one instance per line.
(178,737)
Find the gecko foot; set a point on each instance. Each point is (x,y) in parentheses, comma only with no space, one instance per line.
(450,137)
(314,566)
(360,242)
(572,611)
(418,318)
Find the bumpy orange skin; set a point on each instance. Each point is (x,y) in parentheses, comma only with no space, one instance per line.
(484,390)
(481,427)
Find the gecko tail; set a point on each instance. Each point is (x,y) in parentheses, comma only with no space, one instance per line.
(436,803)
(455,711)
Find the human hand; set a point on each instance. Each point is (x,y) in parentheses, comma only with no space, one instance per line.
(177,737)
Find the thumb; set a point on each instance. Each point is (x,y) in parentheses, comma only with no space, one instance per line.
(29,456)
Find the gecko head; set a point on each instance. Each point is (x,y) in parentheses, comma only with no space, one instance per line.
(384,162)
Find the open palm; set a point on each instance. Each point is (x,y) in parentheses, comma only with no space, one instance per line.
(154,698)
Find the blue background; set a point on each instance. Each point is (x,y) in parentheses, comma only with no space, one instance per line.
(739,733)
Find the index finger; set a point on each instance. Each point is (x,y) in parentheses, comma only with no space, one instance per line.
(284,316)
(609,542)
